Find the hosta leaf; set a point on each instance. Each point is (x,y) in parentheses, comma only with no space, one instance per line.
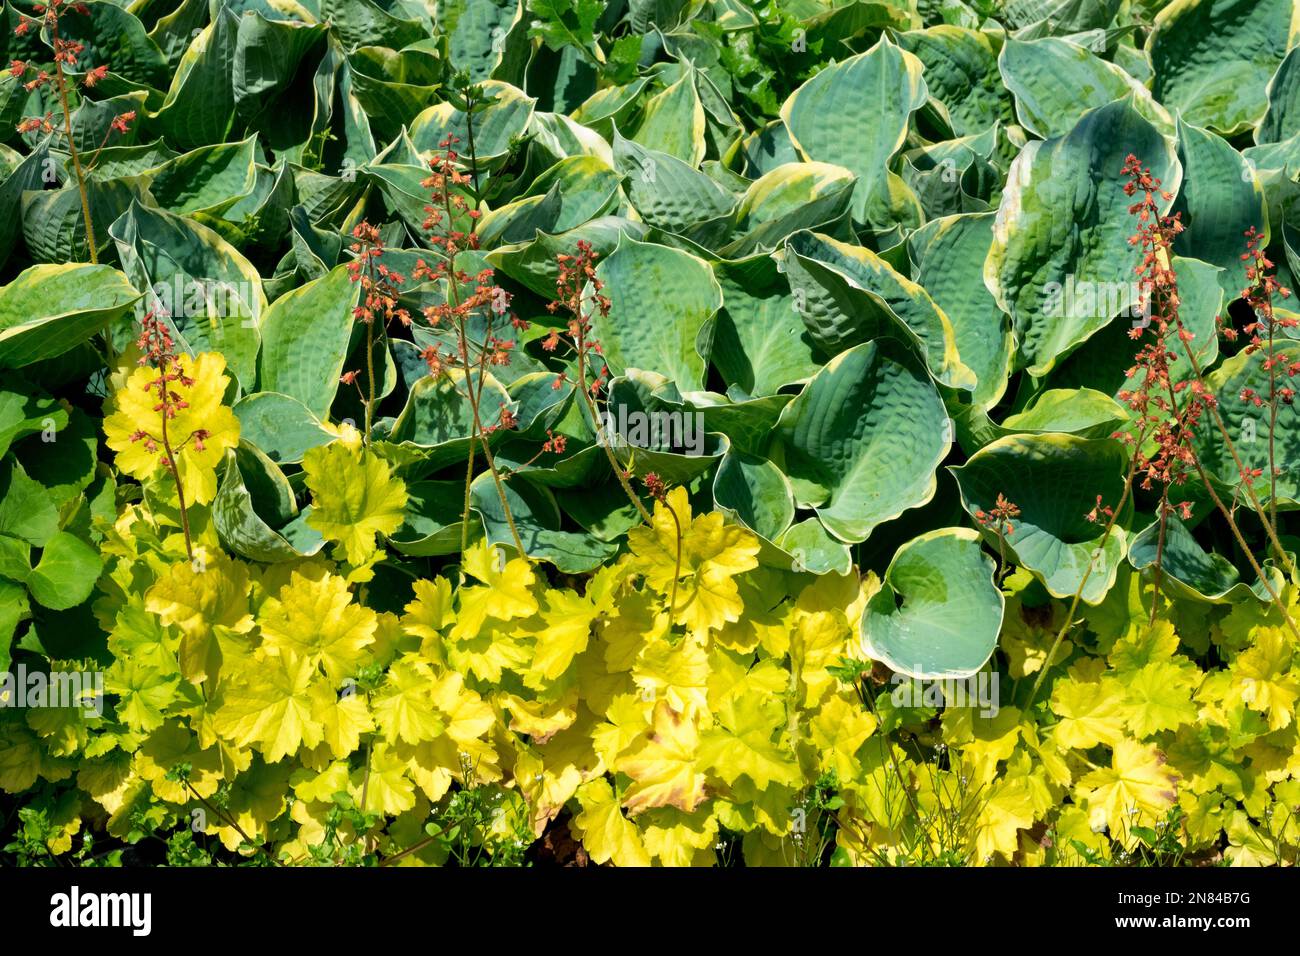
(280,426)
(305,336)
(505,118)
(1055,82)
(1220,199)
(48,309)
(1249,427)
(211,293)
(672,121)
(755,493)
(437,416)
(847,294)
(759,342)
(938,613)
(539,523)
(1061,265)
(200,106)
(1282,120)
(1187,570)
(961,73)
(662,302)
(949,256)
(235,513)
(1213,58)
(861,442)
(666,191)
(1055,480)
(432,523)
(855,114)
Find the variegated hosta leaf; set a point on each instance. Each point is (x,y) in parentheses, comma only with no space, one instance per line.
(938,613)
(1061,265)
(855,114)
(1055,480)
(1213,58)
(861,442)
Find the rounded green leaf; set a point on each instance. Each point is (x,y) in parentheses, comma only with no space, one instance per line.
(305,336)
(938,612)
(861,442)
(1055,480)
(1188,571)
(662,302)
(66,573)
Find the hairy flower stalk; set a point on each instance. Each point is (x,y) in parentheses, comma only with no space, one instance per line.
(380,287)
(487,301)
(1174,411)
(159,352)
(66,53)
(577,272)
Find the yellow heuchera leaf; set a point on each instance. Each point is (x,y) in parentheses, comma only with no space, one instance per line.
(662,765)
(343,720)
(1263,678)
(315,617)
(429,615)
(569,617)
(388,789)
(505,594)
(713,553)
(749,741)
(207,602)
(468,716)
(677,673)
(269,703)
(1091,711)
(404,707)
(675,838)
(1008,809)
(355,497)
(1159,697)
(837,731)
(606,834)
(1136,790)
(199,432)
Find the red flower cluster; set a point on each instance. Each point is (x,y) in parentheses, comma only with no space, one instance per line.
(998,518)
(576,273)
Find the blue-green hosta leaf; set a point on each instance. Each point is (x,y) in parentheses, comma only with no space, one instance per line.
(1072,411)
(211,294)
(54,225)
(32,173)
(200,106)
(767,148)
(280,426)
(760,343)
(1220,199)
(789,198)
(855,114)
(533,264)
(861,442)
(938,612)
(754,492)
(956,175)
(646,420)
(961,73)
(48,309)
(305,335)
(948,255)
(662,303)
(502,120)
(238,517)
(666,191)
(672,121)
(393,87)
(1248,426)
(365,21)
(588,188)
(432,523)
(1061,265)
(1054,479)
(1055,82)
(270,58)
(438,420)
(209,179)
(560,137)
(1213,58)
(848,294)
(1188,571)
(811,548)
(539,522)
(486,37)
(1282,119)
